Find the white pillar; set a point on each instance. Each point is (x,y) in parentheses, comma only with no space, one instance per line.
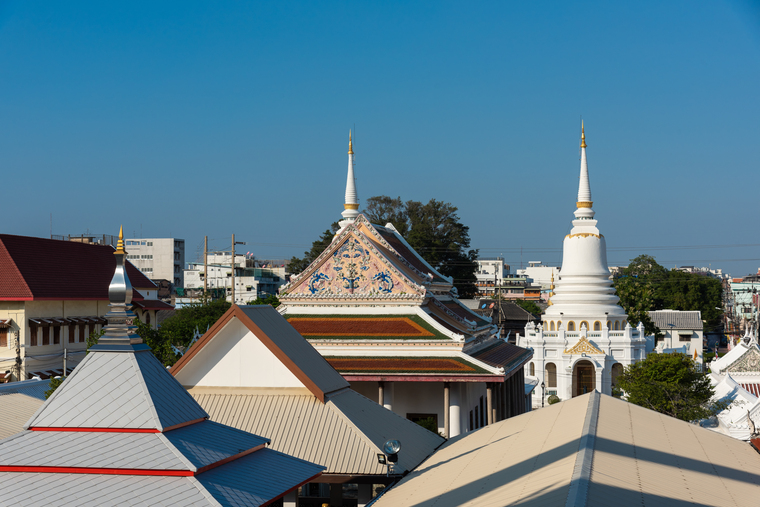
(388,395)
(455,409)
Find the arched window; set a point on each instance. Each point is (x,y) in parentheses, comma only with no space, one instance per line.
(532,370)
(617,325)
(571,326)
(617,369)
(597,326)
(609,325)
(551,375)
(551,326)
(584,323)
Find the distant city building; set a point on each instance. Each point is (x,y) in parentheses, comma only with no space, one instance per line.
(745,293)
(538,274)
(584,339)
(494,279)
(253,278)
(159,258)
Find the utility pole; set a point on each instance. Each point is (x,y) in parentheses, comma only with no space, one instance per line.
(205,265)
(233,265)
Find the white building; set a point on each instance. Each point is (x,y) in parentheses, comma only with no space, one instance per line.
(252,280)
(159,258)
(538,274)
(682,330)
(584,339)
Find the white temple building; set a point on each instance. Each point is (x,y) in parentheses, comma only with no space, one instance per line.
(584,338)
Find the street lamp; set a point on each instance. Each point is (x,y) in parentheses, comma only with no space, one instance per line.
(543,393)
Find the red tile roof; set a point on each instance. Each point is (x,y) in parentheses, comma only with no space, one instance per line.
(752,388)
(403,365)
(39,268)
(364,327)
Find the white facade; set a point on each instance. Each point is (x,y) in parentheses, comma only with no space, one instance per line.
(159,258)
(584,339)
(538,274)
(250,281)
(682,332)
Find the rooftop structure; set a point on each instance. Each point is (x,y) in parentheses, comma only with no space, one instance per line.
(584,339)
(121,431)
(253,371)
(594,450)
(391,325)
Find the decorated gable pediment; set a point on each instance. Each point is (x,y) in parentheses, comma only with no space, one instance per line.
(583,346)
(749,362)
(354,268)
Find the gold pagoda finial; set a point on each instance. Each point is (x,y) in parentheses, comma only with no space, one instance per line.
(350,147)
(120,244)
(551,292)
(583,136)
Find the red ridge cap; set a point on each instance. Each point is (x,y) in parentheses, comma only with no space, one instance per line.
(99,471)
(182,425)
(97,430)
(231,458)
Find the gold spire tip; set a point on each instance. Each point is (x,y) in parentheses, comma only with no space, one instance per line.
(120,243)
(583,136)
(350,147)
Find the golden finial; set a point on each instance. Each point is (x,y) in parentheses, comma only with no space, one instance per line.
(120,244)
(350,148)
(583,136)
(551,291)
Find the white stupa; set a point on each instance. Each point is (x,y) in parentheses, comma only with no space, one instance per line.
(351,204)
(584,338)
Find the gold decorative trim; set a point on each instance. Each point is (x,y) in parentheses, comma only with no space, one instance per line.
(120,243)
(583,136)
(584,204)
(350,147)
(582,346)
(351,206)
(585,235)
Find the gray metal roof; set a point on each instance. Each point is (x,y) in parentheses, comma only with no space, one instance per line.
(209,442)
(593,450)
(15,410)
(344,434)
(679,319)
(33,388)
(139,394)
(87,490)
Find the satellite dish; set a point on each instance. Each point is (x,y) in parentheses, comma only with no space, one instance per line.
(392,447)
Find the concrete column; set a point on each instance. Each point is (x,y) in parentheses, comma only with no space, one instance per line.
(446,409)
(388,396)
(489,403)
(365,494)
(336,495)
(455,417)
(290,499)
(380,395)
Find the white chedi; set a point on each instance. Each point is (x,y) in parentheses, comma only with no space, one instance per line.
(584,339)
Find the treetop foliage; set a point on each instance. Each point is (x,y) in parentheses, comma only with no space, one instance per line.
(670,384)
(645,286)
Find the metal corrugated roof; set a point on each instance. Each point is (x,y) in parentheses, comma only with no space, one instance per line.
(209,442)
(630,456)
(91,450)
(15,410)
(232,485)
(33,388)
(84,490)
(679,319)
(344,434)
(140,395)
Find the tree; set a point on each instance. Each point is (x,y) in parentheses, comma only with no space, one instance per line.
(270,300)
(634,287)
(670,384)
(529,306)
(298,264)
(54,384)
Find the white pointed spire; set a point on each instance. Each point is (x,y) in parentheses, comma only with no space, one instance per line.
(351,204)
(584,186)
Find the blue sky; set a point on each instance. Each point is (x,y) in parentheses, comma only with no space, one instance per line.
(189,119)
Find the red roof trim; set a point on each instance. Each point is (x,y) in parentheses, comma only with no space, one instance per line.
(99,471)
(98,430)
(231,458)
(186,423)
(408,377)
(17,299)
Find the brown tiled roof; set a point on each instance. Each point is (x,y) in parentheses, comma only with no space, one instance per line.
(503,355)
(38,268)
(464,312)
(403,365)
(409,255)
(366,327)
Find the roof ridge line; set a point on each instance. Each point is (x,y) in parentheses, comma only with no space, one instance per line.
(146,392)
(579,482)
(177,453)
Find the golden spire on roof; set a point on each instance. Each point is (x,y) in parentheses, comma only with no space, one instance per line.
(583,136)
(350,148)
(551,292)
(120,244)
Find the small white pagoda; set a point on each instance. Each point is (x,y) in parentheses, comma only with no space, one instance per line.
(584,338)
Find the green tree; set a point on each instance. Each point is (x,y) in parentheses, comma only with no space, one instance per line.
(670,384)
(270,300)
(54,384)
(635,288)
(530,306)
(298,264)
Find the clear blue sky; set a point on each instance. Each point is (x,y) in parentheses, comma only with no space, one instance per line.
(184,119)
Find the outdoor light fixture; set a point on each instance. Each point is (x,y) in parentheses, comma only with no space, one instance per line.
(381,458)
(391,449)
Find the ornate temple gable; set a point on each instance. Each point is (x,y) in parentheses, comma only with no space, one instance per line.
(370,230)
(583,346)
(749,362)
(353,268)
